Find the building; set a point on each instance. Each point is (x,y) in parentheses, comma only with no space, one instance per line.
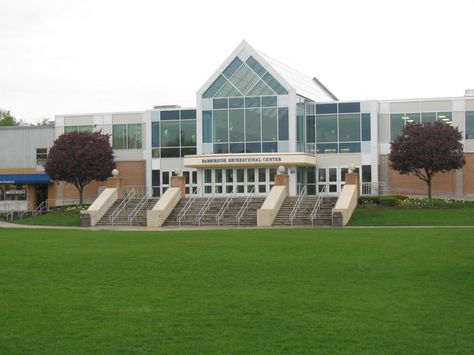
(253,115)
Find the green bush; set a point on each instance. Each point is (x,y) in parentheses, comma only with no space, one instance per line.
(389,201)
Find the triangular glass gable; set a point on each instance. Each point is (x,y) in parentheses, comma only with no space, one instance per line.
(261,89)
(244,79)
(228,90)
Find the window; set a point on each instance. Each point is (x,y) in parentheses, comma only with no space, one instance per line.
(349,127)
(470,125)
(41,155)
(326,128)
(127,136)
(366,127)
(84,128)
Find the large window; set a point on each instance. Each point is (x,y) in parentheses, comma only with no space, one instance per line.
(470,125)
(127,136)
(398,121)
(245,115)
(84,128)
(41,155)
(173,133)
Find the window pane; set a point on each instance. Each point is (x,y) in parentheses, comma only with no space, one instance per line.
(349,147)
(428,117)
(261,89)
(188,114)
(349,128)
(269,124)
(232,67)
(221,129)
(69,129)
(253,148)
(327,148)
(188,151)
(322,175)
(252,102)
(170,134)
(269,101)
(169,115)
(283,123)
(252,125)
(215,86)
(119,136)
(310,129)
(226,91)
(366,127)
(366,173)
(155,134)
(221,148)
(236,102)
(218,175)
(229,175)
(256,67)
(134,136)
(250,175)
(188,133)
(274,84)
(237,148)
(269,147)
(236,125)
(347,107)
(221,103)
(207,126)
(244,79)
(326,108)
(207,176)
(396,125)
(85,128)
(332,174)
(240,175)
(326,128)
(470,125)
(170,152)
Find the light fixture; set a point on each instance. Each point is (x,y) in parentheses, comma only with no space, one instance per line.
(410,121)
(442,116)
(405,118)
(445,119)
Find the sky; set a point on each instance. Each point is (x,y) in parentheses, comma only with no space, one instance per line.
(82,56)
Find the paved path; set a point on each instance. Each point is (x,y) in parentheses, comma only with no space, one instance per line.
(168,229)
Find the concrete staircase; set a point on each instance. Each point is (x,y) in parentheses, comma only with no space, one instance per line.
(302,218)
(122,219)
(209,219)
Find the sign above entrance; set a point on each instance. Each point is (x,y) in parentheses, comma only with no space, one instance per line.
(256,160)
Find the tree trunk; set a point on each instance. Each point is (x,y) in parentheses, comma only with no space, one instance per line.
(80,195)
(429,189)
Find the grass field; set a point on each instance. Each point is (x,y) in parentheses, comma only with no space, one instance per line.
(57,217)
(351,291)
(412,217)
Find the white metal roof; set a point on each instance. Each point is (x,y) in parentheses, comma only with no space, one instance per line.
(303,84)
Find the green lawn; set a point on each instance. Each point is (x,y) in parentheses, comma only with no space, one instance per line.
(412,217)
(347,291)
(57,217)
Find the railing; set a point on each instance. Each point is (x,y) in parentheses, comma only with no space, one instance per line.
(373,188)
(140,191)
(9,214)
(122,205)
(245,205)
(43,207)
(204,208)
(142,203)
(317,205)
(297,205)
(191,200)
(224,207)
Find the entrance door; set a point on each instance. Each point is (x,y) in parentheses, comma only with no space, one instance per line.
(41,194)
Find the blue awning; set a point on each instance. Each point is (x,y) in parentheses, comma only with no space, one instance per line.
(25,179)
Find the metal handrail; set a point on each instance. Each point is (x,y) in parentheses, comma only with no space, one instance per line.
(122,206)
(224,207)
(138,207)
(317,205)
(43,206)
(245,205)
(204,208)
(297,205)
(191,200)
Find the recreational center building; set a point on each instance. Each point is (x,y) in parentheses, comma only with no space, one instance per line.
(253,115)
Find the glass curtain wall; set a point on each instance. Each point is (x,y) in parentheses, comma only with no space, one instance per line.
(173,133)
(245,115)
(398,121)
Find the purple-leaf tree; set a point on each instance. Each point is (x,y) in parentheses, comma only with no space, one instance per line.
(79,158)
(427,149)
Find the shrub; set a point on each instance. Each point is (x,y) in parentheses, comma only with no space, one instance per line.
(389,201)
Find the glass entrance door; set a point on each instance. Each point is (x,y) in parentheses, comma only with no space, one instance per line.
(239,180)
